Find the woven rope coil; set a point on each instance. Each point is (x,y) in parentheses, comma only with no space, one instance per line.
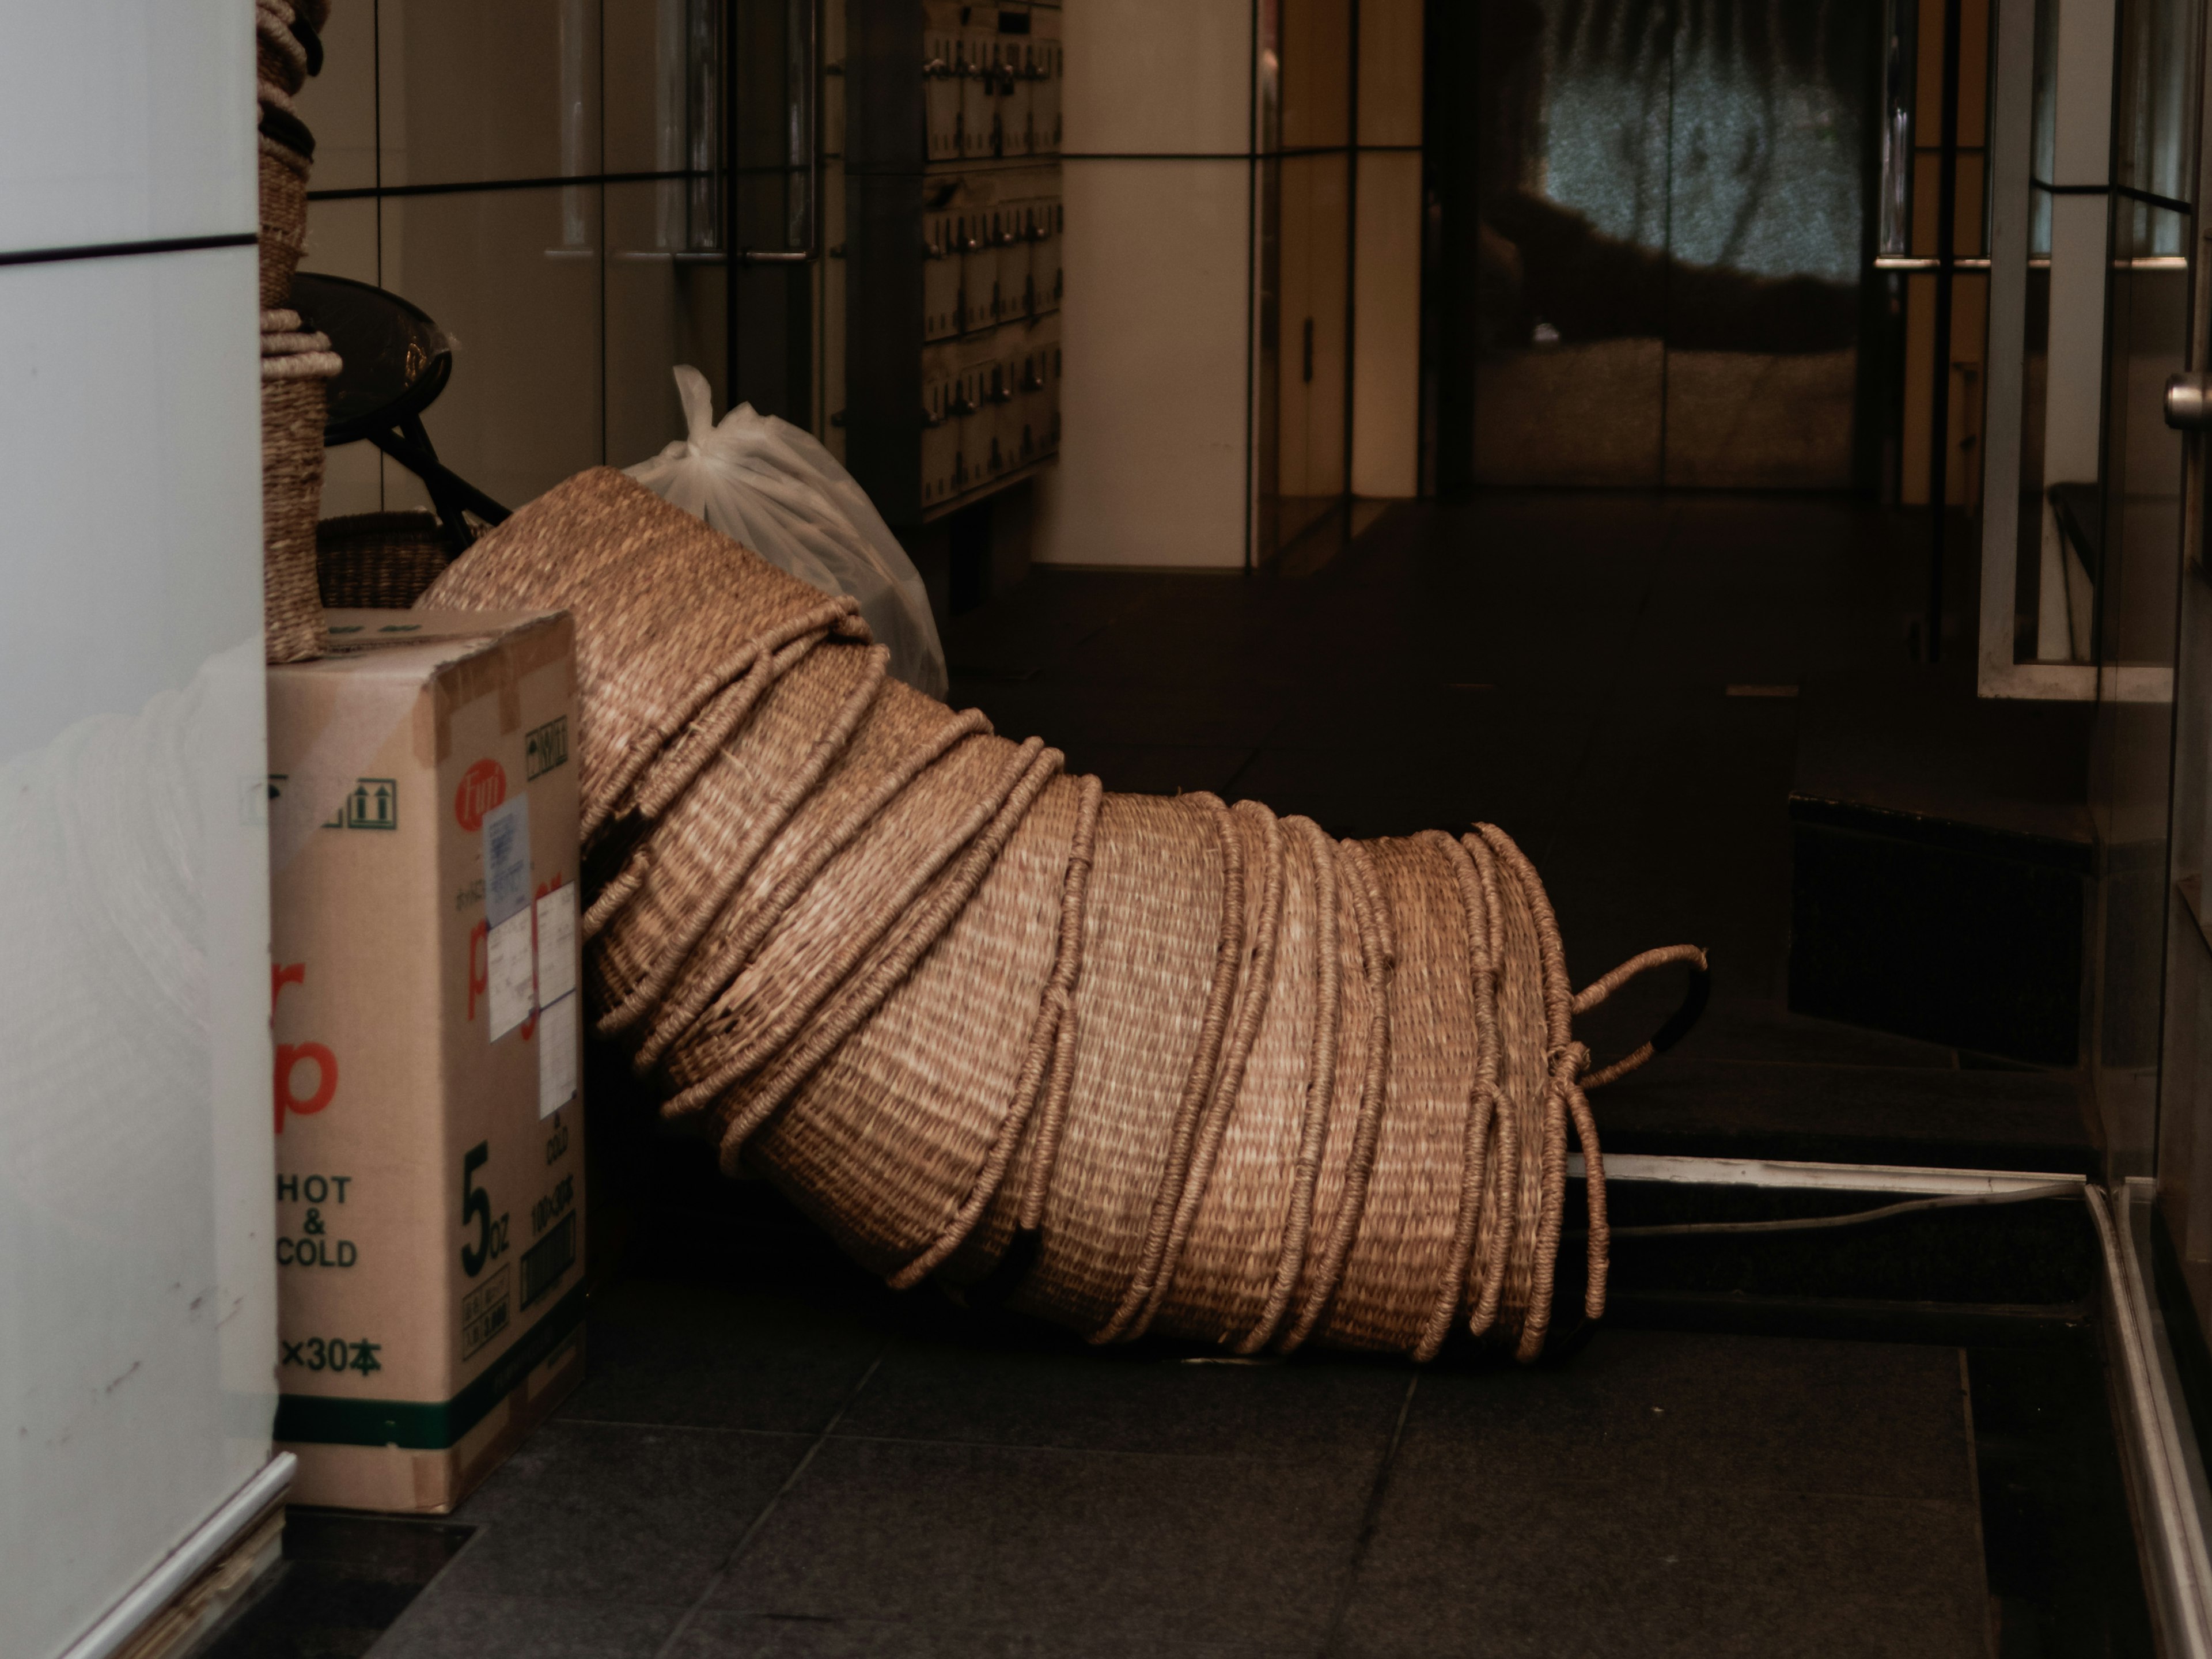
(280,56)
(295,369)
(1132,1063)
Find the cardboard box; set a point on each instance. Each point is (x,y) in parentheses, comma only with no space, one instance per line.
(423,807)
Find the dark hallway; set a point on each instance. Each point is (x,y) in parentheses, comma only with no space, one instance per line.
(1618,681)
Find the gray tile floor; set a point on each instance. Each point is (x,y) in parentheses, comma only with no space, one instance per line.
(747,1472)
(754,1467)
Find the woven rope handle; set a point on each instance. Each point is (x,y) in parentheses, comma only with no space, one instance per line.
(1679,1023)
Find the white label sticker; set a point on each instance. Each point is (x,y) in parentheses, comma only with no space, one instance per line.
(507,861)
(557,944)
(557,1055)
(512,991)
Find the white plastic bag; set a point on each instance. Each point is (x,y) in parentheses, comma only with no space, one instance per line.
(771,486)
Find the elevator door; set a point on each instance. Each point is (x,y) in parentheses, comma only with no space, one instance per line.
(1671,226)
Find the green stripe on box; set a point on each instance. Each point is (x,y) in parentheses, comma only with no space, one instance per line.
(420,1425)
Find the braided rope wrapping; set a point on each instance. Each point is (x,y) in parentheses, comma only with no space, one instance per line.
(1132,1063)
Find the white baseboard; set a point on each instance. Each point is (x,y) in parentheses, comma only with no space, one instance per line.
(203,1548)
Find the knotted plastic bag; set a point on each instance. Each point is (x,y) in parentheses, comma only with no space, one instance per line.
(771,486)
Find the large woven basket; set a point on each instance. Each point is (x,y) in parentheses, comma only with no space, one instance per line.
(713,614)
(1134,1064)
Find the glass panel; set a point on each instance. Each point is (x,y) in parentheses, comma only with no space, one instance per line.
(478,93)
(523,408)
(2135,553)
(1303,374)
(1315,206)
(2153,136)
(2183,1105)
(1673,218)
(662,308)
(2040,625)
(1765,220)
(2043,151)
(1575,104)
(664,111)
(1897,89)
(772,355)
(339,105)
(2134,560)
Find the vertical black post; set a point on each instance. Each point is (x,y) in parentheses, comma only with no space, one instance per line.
(1452,96)
(732,240)
(1351,260)
(1939,439)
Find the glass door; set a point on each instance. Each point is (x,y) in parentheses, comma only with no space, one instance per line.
(775,72)
(1671,196)
(2160,489)
(2132,531)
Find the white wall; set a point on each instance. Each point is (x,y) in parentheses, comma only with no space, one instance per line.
(137,1301)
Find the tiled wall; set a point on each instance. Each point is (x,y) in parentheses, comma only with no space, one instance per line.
(1203,162)
(138,1299)
(517,169)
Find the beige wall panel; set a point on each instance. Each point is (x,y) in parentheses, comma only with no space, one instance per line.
(1390,41)
(1316,73)
(1316,213)
(1158,77)
(1151,465)
(1386,370)
(499,89)
(339,105)
(523,410)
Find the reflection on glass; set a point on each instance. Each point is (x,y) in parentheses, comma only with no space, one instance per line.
(1671,207)
(1899,37)
(2135,568)
(660,310)
(2043,145)
(2135,564)
(687,125)
(2152,137)
(578,27)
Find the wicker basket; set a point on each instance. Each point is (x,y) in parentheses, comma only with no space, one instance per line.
(280,55)
(377,560)
(295,368)
(1130,1063)
(284,169)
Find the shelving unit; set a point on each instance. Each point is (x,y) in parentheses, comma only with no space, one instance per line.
(954,222)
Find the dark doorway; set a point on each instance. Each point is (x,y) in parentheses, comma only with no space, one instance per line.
(1663,206)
